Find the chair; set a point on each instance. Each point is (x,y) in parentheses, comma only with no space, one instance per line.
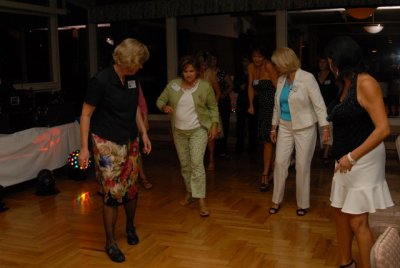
(385,252)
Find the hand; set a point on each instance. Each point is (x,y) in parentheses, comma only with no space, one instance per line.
(213,134)
(167,109)
(146,143)
(83,158)
(326,135)
(343,165)
(273,136)
(251,110)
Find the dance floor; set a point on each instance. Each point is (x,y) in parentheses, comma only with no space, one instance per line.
(65,230)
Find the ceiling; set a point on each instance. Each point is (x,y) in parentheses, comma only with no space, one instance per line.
(332,19)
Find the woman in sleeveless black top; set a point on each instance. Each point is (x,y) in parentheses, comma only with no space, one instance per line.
(262,77)
(359,127)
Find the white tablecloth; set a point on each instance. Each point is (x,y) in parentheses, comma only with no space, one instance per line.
(23,154)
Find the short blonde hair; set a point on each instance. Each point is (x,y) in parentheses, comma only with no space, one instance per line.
(131,53)
(286,60)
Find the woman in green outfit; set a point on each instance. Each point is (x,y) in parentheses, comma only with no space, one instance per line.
(194,120)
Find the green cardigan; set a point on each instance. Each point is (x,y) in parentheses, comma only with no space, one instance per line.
(206,106)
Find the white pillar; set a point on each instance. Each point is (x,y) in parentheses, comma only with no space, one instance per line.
(172,47)
(92,48)
(281,28)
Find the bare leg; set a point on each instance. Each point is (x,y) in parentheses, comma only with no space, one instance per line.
(268,158)
(211,162)
(146,183)
(362,232)
(203,207)
(344,235)
(109,220)
(325,157)
(188,199)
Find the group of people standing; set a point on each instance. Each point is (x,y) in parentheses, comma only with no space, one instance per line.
(290,105)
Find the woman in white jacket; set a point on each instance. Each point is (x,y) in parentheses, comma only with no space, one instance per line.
(298,106)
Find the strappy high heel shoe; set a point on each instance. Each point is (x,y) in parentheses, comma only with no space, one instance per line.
(264,183)
(350,264)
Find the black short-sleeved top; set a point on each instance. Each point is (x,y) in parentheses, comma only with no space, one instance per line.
(114,118)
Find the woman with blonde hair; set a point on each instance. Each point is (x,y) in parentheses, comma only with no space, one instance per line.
(111,113)
(298,107)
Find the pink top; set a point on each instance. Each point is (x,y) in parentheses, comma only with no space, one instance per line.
(142,101)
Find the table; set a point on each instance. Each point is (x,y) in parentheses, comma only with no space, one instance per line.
(23,154)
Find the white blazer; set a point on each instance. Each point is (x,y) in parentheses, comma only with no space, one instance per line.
(305,101)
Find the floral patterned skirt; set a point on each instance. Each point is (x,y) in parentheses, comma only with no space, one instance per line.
(117,168)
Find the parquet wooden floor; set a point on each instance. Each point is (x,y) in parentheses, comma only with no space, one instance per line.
(66,230)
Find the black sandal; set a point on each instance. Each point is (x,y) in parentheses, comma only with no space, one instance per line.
(301,212)
(264,183)
(349,264)
(273,210)
(264,187)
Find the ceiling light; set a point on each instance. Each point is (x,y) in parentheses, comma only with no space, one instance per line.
(360,13)
(373,28)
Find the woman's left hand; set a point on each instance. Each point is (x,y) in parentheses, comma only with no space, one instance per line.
(213,134)
(343,165)
(326,135)
(146,143)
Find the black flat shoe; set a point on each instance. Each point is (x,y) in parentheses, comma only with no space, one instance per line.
(349,264)
(273,210)
(301,212)
(115,253)
(131,237)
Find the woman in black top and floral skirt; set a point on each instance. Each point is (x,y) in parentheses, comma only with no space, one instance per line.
(112,114)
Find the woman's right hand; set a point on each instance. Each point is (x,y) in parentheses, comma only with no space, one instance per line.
(83,158)
(167,109)
(251,110)
(273,136)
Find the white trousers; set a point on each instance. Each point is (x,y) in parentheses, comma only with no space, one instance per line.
(303,141)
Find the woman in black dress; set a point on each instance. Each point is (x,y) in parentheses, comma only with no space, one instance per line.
(262,81)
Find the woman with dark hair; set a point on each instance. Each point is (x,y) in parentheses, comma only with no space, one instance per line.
(359,127)
(194,121)
(329,90)
(262,77)
(224,106)
(111,111)
(210,75)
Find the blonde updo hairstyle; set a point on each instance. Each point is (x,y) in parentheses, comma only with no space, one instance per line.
(286,60)
(130,53)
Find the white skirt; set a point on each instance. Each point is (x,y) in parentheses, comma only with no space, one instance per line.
(364,188)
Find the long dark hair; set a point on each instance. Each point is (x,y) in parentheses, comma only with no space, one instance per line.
(346,55)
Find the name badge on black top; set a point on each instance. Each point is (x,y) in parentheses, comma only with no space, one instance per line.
(131,84)
(256,82)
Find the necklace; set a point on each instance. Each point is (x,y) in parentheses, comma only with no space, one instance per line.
(187,86)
